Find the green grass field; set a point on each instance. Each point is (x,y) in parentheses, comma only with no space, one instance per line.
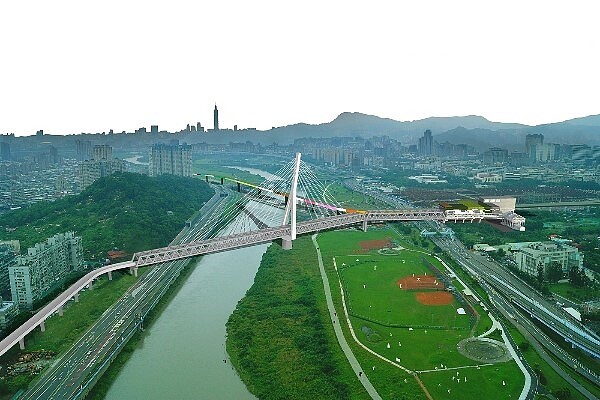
(373,293)
(381,314)
(484,383)
(574,293)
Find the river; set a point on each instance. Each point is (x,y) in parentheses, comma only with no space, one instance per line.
(182,355)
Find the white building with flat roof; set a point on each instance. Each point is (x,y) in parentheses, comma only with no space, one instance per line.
(532,256)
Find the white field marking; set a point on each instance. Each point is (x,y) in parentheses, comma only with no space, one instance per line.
(454,368)
(354,335)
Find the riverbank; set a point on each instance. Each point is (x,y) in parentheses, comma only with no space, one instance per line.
(278,337)
(98,392)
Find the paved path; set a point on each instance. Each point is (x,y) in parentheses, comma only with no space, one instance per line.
(362,377)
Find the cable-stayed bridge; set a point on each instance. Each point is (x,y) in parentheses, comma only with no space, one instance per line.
(290,204)
(293,202)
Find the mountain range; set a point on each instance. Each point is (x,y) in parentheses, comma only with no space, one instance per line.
(471,129)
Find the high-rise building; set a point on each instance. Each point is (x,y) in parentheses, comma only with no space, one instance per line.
(171,159)
(531,141)
(5,151)
(154,129)
(53,155)
(495,155)
(84,149)
(102,152)
(8,311)
(102,164)
(426,144)
(216,118)
(44,268)
(7,257)
(544,152)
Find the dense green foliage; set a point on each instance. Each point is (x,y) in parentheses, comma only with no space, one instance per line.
(276,336)
(127,211)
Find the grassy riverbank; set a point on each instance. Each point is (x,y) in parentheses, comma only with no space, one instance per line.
(280,338)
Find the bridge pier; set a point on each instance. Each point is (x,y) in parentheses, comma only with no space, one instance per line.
(90,285)
(60,311)
(22,343)
(76,297)
(364,225)
(43,326)
(110,275)
(133,270)
(286,243)
(239,187)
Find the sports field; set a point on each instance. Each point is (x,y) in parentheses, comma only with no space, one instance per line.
(403,311)
(374,292)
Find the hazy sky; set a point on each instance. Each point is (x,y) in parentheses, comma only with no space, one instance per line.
(79,66)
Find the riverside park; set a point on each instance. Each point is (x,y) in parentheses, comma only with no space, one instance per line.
(405,306)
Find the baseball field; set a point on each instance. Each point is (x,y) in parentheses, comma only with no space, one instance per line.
(403,306)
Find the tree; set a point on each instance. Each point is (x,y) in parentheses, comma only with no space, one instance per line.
(540,275)
(577,277)
(554,272)
(562,394)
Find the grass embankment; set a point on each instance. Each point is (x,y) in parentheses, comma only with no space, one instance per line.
(215,167)
(280,338)
(575,294)
(351,199)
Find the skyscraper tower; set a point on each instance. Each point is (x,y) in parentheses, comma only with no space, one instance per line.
(216,118)
(426,144)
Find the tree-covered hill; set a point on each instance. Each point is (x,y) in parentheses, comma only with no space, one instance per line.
(127,211)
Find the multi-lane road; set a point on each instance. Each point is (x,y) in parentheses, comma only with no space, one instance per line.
(522,295)
(518,299)
(497,281)
(78,368)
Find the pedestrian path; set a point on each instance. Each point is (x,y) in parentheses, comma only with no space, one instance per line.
(362,376)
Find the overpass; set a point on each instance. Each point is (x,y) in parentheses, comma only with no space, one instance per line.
(18,335)
(214,245)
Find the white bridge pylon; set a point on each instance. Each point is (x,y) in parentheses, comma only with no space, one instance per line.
(290,208)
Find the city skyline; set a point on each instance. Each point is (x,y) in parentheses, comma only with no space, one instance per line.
(273,65)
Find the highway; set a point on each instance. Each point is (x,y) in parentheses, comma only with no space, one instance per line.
(483,268)
(78,368)
(541,342)
(494,280)
(511,286)
(522,295)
